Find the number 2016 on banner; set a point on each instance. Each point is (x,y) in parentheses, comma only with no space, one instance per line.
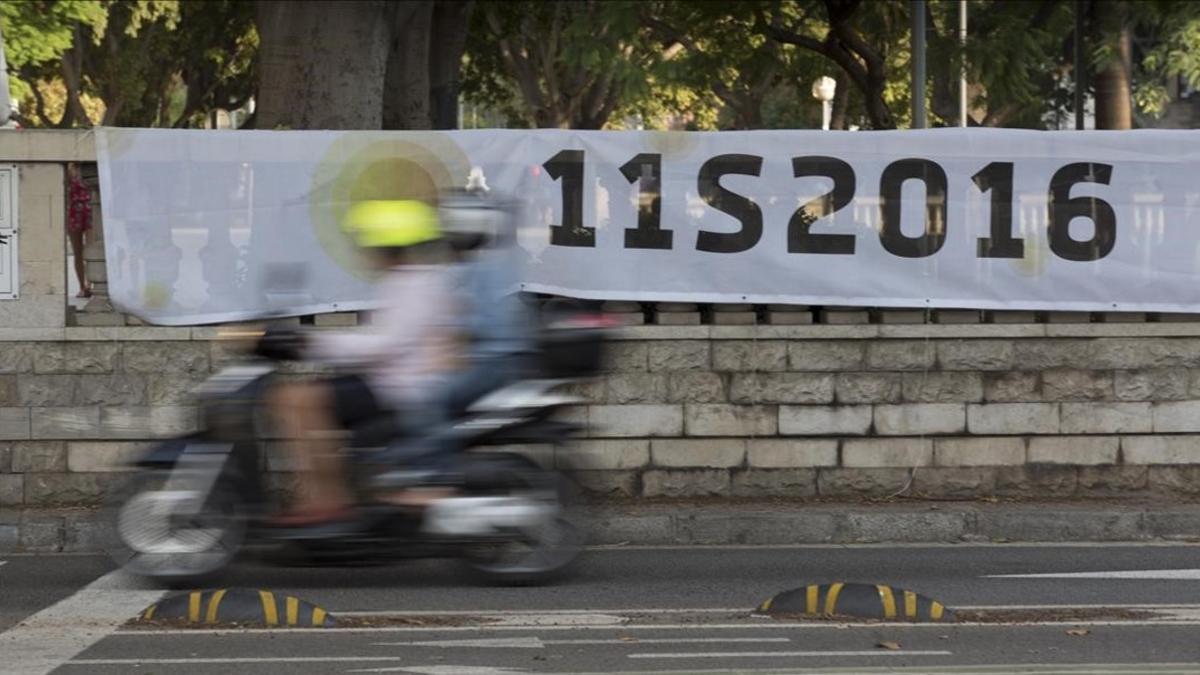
(996,178)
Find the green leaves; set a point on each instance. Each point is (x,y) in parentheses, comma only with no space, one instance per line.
(151,62)
(559,64)
(38,32)
(597,63)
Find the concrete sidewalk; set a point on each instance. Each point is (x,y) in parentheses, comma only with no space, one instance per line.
(716,522)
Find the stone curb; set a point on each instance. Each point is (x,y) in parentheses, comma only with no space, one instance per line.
(781,524)
(665,524)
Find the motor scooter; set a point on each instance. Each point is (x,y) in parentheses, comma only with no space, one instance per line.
(197,502)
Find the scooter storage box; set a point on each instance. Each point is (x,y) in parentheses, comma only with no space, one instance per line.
(572,352)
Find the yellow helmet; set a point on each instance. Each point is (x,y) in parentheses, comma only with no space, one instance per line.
(393,223)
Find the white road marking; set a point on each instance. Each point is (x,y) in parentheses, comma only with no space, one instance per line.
(377,659)
(662,641)
(498,643)
(233,659)
(634,612)
(735,655)
(328,632)
(53,636)
(443,670)
(1186,575)
(1023,669)
(538,643)
(539,619)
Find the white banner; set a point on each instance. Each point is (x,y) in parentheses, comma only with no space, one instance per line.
(209,226)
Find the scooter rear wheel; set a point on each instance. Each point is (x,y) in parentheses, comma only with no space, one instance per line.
(535,554)
(530,558)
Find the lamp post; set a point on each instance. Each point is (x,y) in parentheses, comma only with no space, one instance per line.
(918,64)
(962,75)
(824,90)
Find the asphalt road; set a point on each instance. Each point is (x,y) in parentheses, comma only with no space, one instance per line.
(29,584)
(645,610)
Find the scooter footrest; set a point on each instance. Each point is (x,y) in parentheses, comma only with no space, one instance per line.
(324,531)
(404,478)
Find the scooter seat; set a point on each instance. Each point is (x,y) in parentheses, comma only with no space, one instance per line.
(374,431)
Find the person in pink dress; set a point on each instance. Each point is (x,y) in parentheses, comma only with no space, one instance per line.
(79,222)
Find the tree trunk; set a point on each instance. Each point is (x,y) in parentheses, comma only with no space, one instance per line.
(747,113)
(841,101)
(321,64)
(72,72)
(847,47)
(548,116)
(449,39)
(406,85)
(1114,104)
(877,110)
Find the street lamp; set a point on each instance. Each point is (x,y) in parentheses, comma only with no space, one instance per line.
(824,89)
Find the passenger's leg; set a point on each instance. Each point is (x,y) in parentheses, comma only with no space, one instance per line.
(453,401)
(304,412)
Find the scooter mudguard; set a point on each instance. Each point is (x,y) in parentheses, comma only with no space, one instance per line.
(165,454)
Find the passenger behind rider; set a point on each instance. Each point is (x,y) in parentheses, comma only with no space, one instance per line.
(409,349)
(499,328)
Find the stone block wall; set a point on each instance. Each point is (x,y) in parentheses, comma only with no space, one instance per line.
(1037,410)
(70,410)
(823,411)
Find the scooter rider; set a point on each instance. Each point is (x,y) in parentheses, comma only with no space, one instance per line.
(406,353)
(497,326)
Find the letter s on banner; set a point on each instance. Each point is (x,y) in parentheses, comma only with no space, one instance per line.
(742,208)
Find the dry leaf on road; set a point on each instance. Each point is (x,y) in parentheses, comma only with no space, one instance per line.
(889,645)
(1078,631)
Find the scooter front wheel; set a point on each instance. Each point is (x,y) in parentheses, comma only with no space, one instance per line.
(177,537)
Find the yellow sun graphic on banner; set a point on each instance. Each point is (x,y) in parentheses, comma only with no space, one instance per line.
(384,165)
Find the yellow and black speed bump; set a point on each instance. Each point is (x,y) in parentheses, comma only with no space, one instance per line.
(240,606)
(866,601)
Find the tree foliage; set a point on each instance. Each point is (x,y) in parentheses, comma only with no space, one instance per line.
(1016,60)
(128,62)
(560,64)
(757,81)
(591,64)
(37,35)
